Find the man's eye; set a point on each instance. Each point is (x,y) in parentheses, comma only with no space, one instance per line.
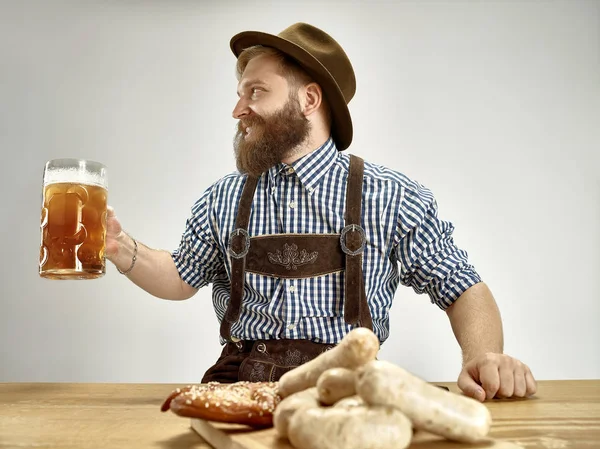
(255,90)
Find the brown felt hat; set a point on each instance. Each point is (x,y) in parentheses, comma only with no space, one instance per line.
(324,60)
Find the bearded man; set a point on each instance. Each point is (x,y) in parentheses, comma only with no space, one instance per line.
(305,242)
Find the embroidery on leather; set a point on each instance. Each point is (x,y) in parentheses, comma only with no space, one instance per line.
(291,258)
(292,357)
(258,373)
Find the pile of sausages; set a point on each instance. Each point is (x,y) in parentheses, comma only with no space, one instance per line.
(346,398)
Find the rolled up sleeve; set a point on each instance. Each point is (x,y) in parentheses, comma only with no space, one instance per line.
(198,257)
(430,261)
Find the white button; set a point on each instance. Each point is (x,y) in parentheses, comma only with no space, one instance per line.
(292,204)
(290,170)
(291,326)
(272,189)
(311,190)
(292,289)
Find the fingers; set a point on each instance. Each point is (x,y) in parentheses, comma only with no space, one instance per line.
(516,382)
(507,381)
(500,376)
(113,229)
(520,383)
(469,387)
(489,377)
(530,382)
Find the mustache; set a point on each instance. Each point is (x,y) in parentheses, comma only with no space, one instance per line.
(250,121)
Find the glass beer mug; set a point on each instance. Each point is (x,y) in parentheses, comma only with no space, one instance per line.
(73,222)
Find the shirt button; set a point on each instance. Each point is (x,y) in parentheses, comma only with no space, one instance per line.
(292,289)
(290,170)
(292,204)
(291,326)
(311,190)
(272,189)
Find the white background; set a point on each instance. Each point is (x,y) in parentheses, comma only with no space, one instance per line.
(495,106)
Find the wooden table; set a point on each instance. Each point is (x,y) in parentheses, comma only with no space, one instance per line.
(563,415)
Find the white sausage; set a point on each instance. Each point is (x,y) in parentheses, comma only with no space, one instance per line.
(360,427)
(335,384)
(429,407)
(290,405)
(350,401)
(358,347)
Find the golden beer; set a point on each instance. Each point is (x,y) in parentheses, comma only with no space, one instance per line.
(73,221)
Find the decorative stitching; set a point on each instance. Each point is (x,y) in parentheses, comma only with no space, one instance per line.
(291,258)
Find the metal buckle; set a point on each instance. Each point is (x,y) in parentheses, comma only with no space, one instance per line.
(241,254)
(363,238)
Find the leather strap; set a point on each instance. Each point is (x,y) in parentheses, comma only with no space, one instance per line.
(356,308)
(239,242)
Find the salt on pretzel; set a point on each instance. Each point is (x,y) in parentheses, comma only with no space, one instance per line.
(249,403)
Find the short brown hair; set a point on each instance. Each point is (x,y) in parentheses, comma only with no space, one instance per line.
(289,68)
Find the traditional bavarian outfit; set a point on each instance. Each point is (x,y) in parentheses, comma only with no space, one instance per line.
(290,256)
(401,235)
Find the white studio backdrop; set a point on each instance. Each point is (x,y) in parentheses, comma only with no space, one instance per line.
(493,105)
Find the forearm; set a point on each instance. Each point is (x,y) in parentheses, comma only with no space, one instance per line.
(476,322)
(154,270)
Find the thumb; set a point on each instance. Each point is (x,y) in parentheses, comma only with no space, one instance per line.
(469,387)
(113,226)
(110,211)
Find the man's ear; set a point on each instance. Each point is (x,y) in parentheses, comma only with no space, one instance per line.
(313,96)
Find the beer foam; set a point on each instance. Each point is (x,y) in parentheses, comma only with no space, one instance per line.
(78,175)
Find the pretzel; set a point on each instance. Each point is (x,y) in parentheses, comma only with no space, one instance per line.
(249,403)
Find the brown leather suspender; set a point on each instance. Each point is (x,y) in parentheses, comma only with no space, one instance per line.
(352,239)
(239,243)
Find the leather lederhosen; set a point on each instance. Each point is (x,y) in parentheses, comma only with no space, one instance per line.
(290,256)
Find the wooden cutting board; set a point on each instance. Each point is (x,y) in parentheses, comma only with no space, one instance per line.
(231,436)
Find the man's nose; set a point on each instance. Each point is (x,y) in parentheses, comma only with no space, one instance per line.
(241,109)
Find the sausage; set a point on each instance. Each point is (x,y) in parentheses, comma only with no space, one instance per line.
(350,401)
(430,408)
(358,347)
(359,427)
(290,405)
(335,384)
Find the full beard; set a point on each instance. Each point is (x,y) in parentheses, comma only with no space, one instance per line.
(271,139)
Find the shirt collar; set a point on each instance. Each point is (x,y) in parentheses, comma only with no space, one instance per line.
(310,168)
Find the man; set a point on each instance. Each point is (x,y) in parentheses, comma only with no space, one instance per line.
(305,242)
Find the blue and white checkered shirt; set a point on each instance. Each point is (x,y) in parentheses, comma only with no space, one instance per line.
(406,243)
